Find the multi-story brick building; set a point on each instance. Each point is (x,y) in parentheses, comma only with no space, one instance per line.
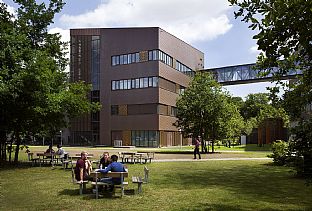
(137,75)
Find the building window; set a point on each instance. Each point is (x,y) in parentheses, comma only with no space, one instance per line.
(145,138)
(114,110)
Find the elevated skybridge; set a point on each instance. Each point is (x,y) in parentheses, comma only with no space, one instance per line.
(244,74)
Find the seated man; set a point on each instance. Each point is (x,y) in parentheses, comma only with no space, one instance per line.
(83,168)
(61,152)
(113,167)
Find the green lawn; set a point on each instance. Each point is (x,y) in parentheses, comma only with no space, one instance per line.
(210,185)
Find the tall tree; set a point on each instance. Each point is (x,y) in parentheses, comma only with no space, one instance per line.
(35,95)
(205,109)
(284,35)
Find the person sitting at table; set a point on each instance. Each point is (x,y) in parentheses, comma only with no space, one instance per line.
(61,152)
(104,161)
(83,168)
(50,149)
(113,167)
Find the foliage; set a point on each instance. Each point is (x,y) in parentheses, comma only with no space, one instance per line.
(205,109)
(253,104)
(280,152)
(284,36)
(301,143)
(35,95)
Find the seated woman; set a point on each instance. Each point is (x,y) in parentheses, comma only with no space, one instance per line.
(50,149)
(104,161)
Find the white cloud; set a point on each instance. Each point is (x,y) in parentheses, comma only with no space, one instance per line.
(254,50)
(63,32)
(65,37)
(197,20)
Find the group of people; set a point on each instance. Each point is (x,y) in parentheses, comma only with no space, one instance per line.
(84,168)
(60,151)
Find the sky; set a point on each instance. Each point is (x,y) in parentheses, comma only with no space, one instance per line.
(208,25)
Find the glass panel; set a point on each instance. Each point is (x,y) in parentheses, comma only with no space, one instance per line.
(129,83)
(133,58)
(141,82)
(150,81)
(145,82)
(113,61)
(129,59)
(137,83)
(155,81)
(125,58)
(125,82)
(117,85)
(121,85)
(133,83)
(113,85)
(150,55)
(137,57)
(121,59)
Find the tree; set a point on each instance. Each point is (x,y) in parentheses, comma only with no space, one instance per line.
(35,95)
(205,109)
(258,107)
(284,36)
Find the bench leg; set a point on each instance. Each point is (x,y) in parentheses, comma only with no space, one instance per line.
(82,187)
(139,187)
(96,191)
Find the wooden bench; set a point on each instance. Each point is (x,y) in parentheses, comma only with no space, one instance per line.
(139,180)
(120,175)
(148,157)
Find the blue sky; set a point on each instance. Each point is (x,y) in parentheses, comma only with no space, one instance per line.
(208,25)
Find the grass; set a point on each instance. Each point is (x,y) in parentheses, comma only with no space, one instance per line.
(210,185)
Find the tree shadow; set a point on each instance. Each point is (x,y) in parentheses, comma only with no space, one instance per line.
(217,207)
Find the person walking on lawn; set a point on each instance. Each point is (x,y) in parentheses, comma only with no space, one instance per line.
(196,148)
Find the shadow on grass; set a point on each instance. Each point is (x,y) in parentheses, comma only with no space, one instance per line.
(218,207)
(255,147)
(88,195)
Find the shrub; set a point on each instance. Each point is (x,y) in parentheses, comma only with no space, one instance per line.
(280,152)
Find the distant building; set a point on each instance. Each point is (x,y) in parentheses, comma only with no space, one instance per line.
(137,75)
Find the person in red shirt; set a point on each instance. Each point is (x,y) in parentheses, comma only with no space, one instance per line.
(196,148)
(83,168)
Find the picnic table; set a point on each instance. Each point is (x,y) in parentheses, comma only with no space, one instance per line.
(98,175)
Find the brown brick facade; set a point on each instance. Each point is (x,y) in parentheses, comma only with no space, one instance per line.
(145,114)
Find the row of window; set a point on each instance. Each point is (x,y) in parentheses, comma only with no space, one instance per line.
(182,68)
(161,56)
(135,83)
(153,55)
(145,138)
(140,109)
(125,59)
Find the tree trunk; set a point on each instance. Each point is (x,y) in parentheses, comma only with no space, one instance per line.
(2,146)
(18,143)
(307,165)
(10,152)
(212,146)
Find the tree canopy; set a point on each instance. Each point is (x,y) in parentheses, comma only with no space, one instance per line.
(284,36)
(35,94)
(205,109)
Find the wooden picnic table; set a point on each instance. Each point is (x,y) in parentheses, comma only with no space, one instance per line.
(97,175)
(126,155)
